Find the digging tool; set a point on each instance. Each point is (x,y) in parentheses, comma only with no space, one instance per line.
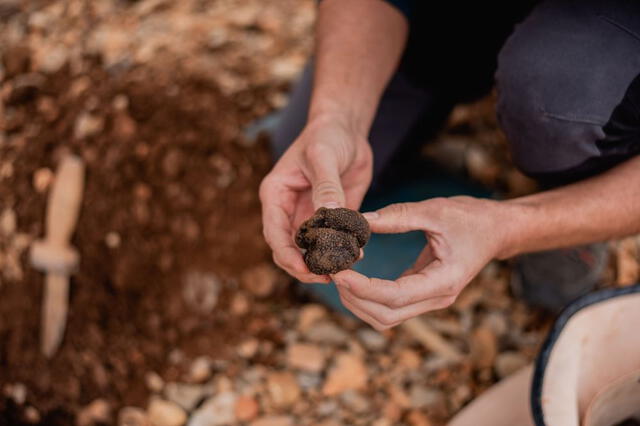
(54,255)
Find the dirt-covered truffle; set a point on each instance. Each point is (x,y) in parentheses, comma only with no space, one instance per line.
(332,239)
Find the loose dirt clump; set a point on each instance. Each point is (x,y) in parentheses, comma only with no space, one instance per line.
(332,239)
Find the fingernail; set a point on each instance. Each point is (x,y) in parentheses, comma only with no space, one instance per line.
(331,205)
(371,215)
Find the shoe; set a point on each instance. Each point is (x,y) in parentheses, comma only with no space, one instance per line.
(552,279)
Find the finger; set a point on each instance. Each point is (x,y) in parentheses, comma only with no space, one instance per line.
(391,317)
(435,280)
(360,314)
(425,257)
(326,185)
(396,218)
(304,277)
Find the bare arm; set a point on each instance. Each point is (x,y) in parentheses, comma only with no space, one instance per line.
(358,46)
(603,207)
(359,43)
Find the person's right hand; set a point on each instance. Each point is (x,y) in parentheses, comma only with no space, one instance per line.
(329,165)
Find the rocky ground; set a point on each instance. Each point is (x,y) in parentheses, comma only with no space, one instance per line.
(177,315)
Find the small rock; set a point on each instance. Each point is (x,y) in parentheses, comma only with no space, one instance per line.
(200,369)
(309,315)
(273,421)
(326,333)
(52,59)
(48,107)
(308,380)
(355,401)
(348,372)
(97,412)
(484,347)
(8,222)
(112,240)
(248,348)
(239,304)
(422,397)
(166,413)
(283,388)
(185,395)
(308,357)
(17,392)
(154,382)
(509,362)
(42,178)
(172,163)
(392,412)
(124,127)
(246,408)
(216,411)
(32,415)
(88,125)
(260,280)
(418,418)
(133,416)
(120,102)
(327,408)
(200,291)
(372,339)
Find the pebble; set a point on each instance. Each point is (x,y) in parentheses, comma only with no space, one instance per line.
(305,356)
(166,413)
(185,395)
(418,418)
(240,304)
(308,380)
(372,340)
(260,280)
(200,369)
(422,397)
(348,372)
(32,415)
(88,125)
(97,412)
(355,401)
(246,408)
(42,179)
(326,333)
(283,388)
(8,222)
(248,348)
(52,59)
(133,416)
(112,240)
(17,392)
(200,291)
(509,362)
(484,347)
(273,421)
(309,315)
(153,381)
(216,411)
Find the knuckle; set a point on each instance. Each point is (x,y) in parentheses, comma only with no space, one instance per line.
(325,188)
(387,318)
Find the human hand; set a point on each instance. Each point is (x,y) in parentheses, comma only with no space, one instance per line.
(329,165)
(463,233)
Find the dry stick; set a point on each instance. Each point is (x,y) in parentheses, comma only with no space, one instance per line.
(430,339)
(54,255)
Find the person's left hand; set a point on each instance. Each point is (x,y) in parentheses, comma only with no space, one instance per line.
(463,233)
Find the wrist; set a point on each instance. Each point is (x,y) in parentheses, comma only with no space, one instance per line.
(334,113)
(516,221)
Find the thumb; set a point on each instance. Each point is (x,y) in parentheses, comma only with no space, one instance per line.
(326,187)
(395,219)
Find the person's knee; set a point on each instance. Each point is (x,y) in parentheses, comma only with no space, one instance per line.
(558,84)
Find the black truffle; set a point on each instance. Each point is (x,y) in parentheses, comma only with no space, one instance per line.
(332,239)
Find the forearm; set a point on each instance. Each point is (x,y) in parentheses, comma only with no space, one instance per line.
(603,207)
(358,46)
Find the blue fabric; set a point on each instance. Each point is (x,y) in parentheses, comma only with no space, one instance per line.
(403,5)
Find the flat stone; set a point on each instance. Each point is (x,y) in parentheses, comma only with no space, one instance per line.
(185,395)
(283,388)
(166,413)
(216,411)
(133,416)
(307,357)
(326,333)
(97,412)
(309,315)
(371,339)
(348,372)
(260,280)
(273,421)
(246,408)
(200,369)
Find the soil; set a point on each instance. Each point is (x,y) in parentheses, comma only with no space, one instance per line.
(332,239)
(166,171)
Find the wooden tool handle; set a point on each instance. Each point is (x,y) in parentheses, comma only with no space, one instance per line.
(64,200)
